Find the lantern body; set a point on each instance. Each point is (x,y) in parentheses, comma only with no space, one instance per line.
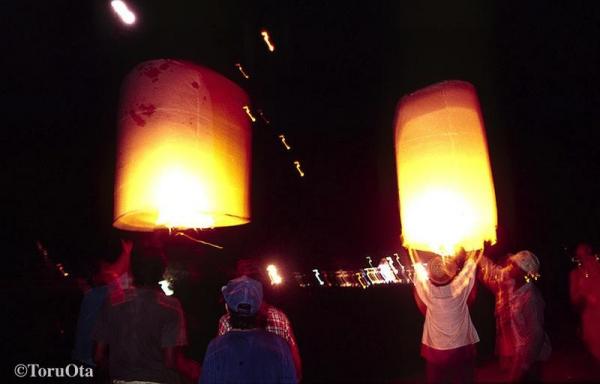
(445,184)
(183,157)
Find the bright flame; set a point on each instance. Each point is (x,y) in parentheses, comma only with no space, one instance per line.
(249,113)
(166,287)
(276,279)
(265,35)
(297,164)
(123,11)
(447,198)
(285,144)
(241,69)
(181,198)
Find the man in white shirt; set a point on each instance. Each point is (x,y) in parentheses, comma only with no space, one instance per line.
(449,337)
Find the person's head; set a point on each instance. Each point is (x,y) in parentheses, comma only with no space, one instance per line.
(243,297)
(523,264)
(442,270)
(147,266)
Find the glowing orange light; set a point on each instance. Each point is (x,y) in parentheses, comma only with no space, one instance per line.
(285,144)
(447,198)
(265,35)
(241,69)
(183,149)
(123,11)
(249,113)
(297,164)
(276,279)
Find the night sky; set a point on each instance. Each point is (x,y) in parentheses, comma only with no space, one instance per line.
(331,87)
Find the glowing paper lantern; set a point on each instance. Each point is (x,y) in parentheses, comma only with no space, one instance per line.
(447,198)
(183,149)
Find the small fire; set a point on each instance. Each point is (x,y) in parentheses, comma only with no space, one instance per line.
(265,35)
(123,11)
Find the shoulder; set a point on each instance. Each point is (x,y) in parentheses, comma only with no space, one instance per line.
(276,313)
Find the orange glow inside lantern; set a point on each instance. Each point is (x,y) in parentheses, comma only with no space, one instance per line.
(446,190)
(183,149)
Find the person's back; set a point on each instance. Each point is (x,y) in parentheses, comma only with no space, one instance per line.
(248,356)
(136,330)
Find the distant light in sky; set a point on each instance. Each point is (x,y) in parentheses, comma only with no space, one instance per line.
(297,164)
(124,13)
(249,113)
(265,34)
(241,69)
(285,144)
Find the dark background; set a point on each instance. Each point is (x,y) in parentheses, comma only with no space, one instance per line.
(331,87)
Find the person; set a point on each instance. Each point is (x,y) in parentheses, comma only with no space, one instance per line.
(247,353)
(141,330)
(273,319)
(585,296)
(449,336)
(521,342)
(111,278)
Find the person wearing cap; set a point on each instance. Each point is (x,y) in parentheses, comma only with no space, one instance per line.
(247,353)
(521,342)
(449,337)
(272,318)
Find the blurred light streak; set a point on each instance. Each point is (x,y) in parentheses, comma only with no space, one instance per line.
(241,69)
(261,114)
(198,240)
(297,164)
(165,285)
(249,113)
(265,35)
(276,279)
(123,11)
(316,271)
(285,144)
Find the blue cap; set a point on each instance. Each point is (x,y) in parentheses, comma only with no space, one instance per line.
(243,295)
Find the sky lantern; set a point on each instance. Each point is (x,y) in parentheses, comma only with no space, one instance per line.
(183,151)
(447,198)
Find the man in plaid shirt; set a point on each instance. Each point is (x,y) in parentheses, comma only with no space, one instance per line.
(271,318)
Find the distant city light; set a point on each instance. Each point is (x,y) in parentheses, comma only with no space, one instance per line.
(123,11)
(276,279)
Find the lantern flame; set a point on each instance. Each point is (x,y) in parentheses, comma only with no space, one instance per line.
(123,11)
(267,39)
(447,198)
